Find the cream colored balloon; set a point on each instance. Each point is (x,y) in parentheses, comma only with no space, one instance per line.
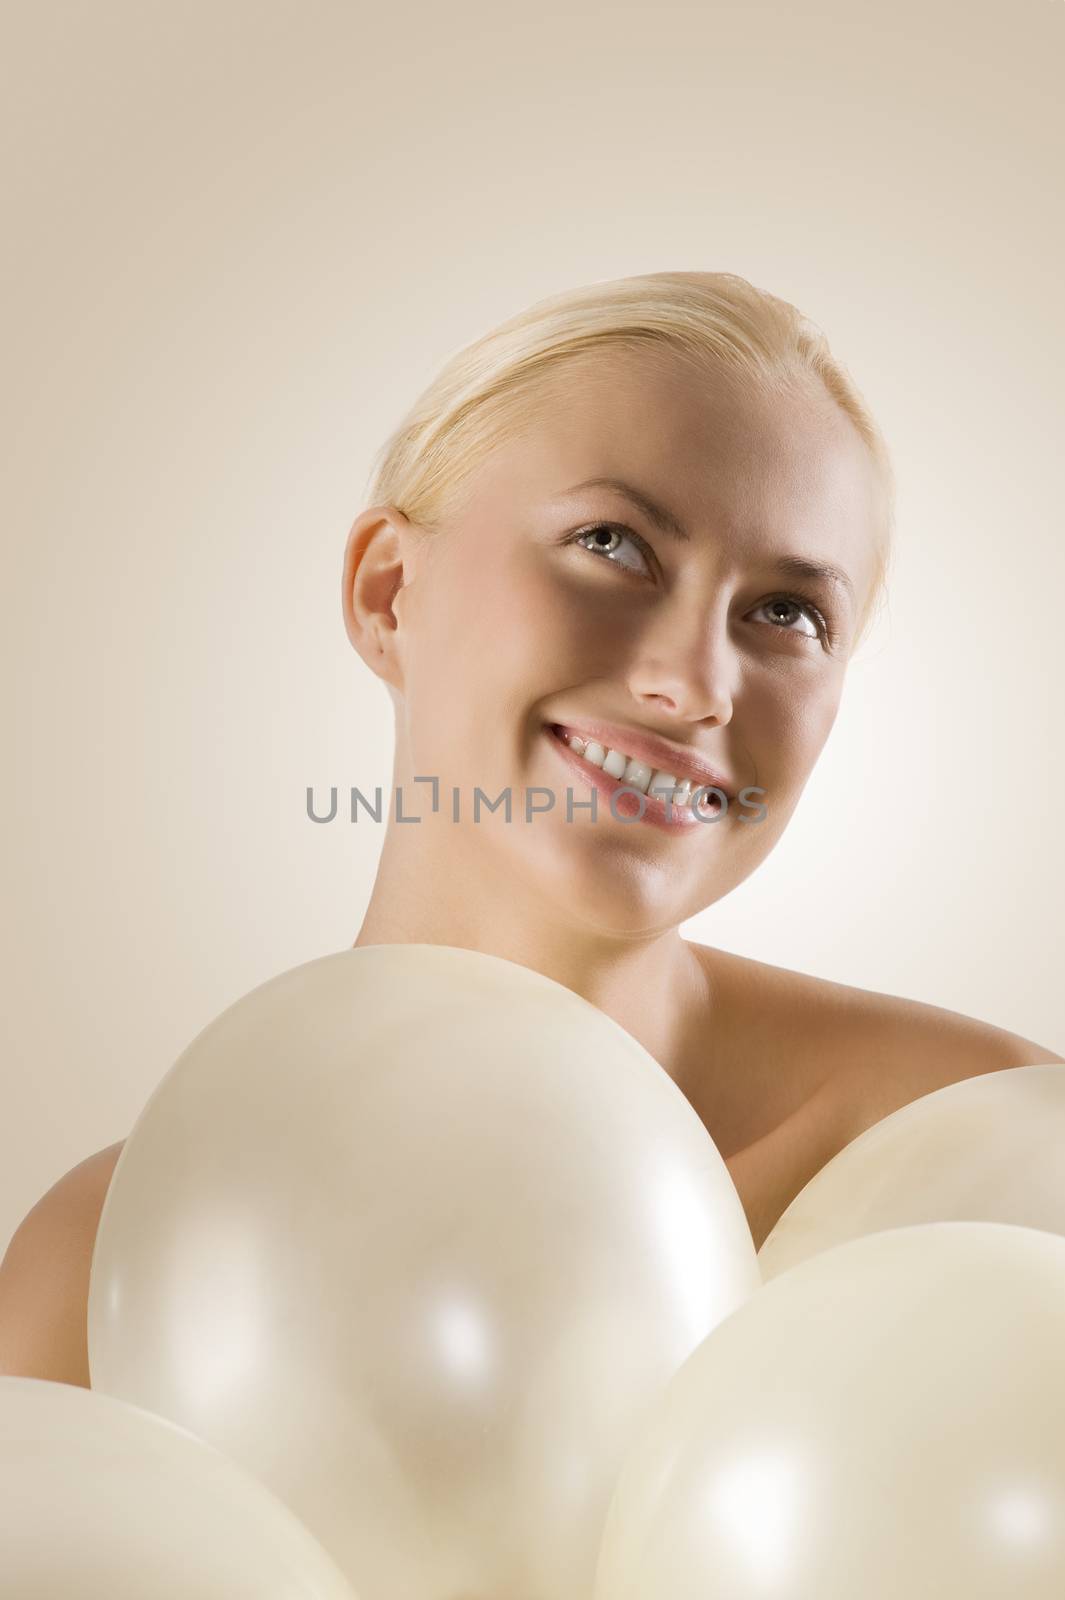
(417,1234)
(987,1149)
(885,1420)
(102,1501)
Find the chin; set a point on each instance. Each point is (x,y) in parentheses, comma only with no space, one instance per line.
(604,888)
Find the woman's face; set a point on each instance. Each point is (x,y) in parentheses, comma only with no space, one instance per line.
(511,622)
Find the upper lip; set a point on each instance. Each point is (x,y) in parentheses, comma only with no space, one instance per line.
(659,754)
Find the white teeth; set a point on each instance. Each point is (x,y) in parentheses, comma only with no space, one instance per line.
(636,774)
(662,782)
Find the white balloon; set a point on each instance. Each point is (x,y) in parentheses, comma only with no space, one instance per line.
(985,1149)
(417,1235)
(884,1420)
(102,1501)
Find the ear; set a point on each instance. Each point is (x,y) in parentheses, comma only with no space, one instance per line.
(378,562)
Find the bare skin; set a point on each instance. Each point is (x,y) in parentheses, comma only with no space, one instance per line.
(498,623)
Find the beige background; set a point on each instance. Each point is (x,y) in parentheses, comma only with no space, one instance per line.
(242,236)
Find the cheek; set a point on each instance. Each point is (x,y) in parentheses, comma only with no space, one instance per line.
(786,730)
(811,729)
(522,611)
(822,714)
(483,624)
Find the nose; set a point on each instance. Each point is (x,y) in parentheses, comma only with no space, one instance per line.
(687,669)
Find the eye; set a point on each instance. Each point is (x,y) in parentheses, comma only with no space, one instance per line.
(602,533)
(604,539)
(797,603)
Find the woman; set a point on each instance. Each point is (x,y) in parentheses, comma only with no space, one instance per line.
(516,603)
(626,541)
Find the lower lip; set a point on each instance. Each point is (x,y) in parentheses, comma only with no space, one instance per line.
(681,819)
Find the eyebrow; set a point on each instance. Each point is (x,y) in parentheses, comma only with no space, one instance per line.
(664,519)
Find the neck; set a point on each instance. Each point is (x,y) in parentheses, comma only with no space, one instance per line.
(435,885)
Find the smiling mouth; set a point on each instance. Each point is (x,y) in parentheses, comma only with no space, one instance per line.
(667,798)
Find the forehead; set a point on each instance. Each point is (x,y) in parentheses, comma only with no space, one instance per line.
(763,472)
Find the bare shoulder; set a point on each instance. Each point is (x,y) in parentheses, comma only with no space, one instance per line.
(807,1064)
(893,1047)
(44,1276)
(908,1048)
(778,1039)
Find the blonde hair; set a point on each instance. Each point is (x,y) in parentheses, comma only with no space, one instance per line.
(485,393)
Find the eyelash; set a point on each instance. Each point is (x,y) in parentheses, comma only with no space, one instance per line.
(824,626)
